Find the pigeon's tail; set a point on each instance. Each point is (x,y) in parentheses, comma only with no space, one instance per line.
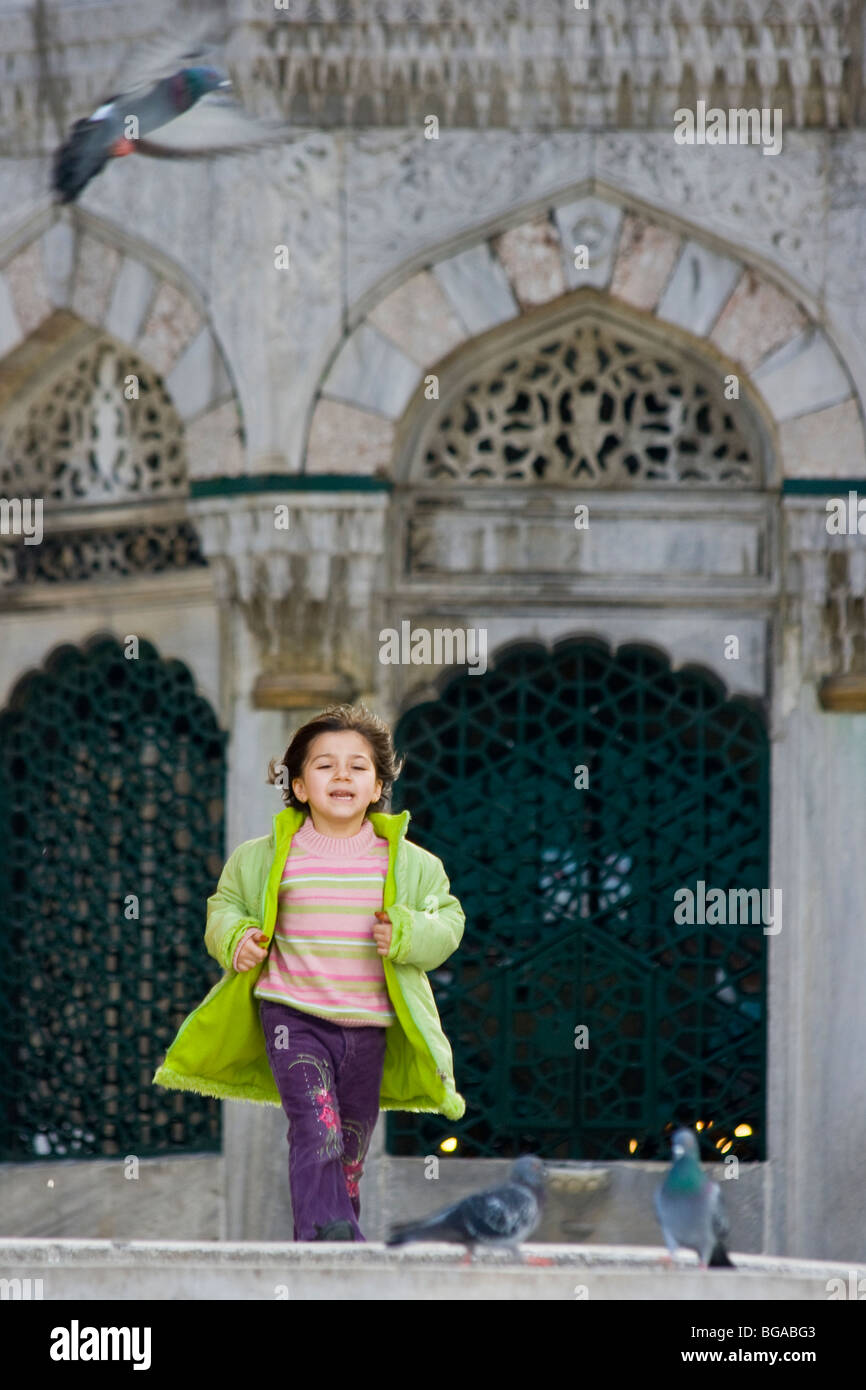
(719,1258)
(431,1228)
(79,160)
(402,1235)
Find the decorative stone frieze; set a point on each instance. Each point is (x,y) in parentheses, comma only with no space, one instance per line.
(102,554)
(490,64)
(485,65)
(113,392)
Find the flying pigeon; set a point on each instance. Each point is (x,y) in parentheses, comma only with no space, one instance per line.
(689,1206)
(504,1215)
(167,86)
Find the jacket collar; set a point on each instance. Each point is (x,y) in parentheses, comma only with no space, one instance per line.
(392,827)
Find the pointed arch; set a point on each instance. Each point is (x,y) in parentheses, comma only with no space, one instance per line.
(584,393)
(737,309)
(74,278)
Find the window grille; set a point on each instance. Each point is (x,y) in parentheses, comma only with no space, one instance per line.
(112,784)
(569,902)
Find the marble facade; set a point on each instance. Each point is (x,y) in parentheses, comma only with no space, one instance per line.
(411,258)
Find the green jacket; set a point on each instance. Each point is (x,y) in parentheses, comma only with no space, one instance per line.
(219,1049)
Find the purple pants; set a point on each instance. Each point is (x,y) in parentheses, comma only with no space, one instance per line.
(329,1079)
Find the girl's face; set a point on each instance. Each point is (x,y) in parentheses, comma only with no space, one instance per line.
(339,776)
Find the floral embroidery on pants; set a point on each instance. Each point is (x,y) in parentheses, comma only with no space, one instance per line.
(322,1098)
(356,1138)
(352,1173)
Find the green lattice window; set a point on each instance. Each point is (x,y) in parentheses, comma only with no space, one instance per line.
(112,782)
(569,901)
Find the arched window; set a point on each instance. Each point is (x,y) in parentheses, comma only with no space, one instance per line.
(112,785)
(591,401)
(586,394)
(93,434)
(569,885)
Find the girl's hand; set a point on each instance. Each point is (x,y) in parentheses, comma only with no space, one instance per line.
(252,953)
(382,932)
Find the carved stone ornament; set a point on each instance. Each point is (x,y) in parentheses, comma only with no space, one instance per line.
(104,430)
(591,404)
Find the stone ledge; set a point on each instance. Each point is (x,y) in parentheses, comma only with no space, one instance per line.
(99,1269)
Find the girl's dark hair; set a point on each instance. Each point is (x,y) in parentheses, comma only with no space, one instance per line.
(356,718)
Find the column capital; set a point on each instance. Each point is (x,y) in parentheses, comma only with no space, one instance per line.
(289,564)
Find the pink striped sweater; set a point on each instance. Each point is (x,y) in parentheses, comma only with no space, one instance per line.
(323,958)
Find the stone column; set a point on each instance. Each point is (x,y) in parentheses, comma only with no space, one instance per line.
(817,1022)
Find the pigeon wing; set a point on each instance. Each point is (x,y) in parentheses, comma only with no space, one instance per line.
(216,125)
(659,1206)
(683,1216)
(718,1217)
(662,1205)
(505,1213)
(83,154)
(164,52)
(719,1258)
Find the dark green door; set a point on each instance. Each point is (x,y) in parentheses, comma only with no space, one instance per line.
(112,782)
(570,911)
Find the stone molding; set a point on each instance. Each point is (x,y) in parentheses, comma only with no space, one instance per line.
(489,64)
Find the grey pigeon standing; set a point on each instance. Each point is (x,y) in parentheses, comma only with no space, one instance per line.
(505,1215)
(166,85)
(689,1206)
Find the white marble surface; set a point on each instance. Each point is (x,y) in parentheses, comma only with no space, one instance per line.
(477,288)
(85,1270)
(373,373)
(10,331)
(133,292)
(363,210)
(700,284)
(801,376)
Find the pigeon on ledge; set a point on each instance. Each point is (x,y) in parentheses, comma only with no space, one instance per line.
(167,86)
(506,1215)
(689,1206)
